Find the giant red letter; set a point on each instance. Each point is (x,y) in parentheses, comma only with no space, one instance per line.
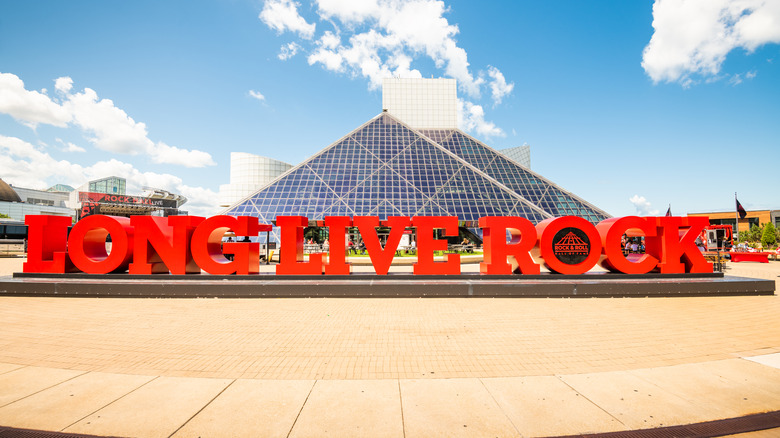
(426,245)
(675,244)
(163,244)
(47,241)
(87,244)
(337,233)
(502,258)
(381,258)
(207,243)
(568,245)
(611,231)
(291,251)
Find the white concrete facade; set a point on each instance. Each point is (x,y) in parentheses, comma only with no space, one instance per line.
(37,202)
(422,103)
(248,173)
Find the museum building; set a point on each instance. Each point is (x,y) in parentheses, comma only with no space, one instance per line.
(102,196)
(413,160)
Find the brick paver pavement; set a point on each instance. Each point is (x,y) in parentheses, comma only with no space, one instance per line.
(331,338)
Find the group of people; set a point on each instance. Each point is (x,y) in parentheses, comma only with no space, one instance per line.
(356,248)
(632,245)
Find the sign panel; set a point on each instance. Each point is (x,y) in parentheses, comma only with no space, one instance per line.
(188,244)
(108,198)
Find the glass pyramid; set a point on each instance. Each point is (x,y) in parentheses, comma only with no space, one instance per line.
(385,168)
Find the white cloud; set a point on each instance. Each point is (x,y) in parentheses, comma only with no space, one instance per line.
(282,15)
(74,148)
(26,166)
(70,147)
(643,207)
(257,95)
(348,11)
(107,127)
(164,154)
(288,51)
(329,40)
(63,84)
(111,128)
(498,86)
(386,35)
(693,37)
(378,39)
(29,107)
(330,59)
(471,117)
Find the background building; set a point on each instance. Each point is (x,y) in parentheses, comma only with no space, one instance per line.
(103,196)
(422,103)
(433,104)
(113,184)
(520,154)
(18,202)
(108,196)
(753,217)
(387,167)
(248,173)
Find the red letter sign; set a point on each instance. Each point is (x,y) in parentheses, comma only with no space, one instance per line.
(291,251)
(207,242)
(381,258)
(87,244)
(675,244)
(611,231)
(337,237)
(426,245)
(569,244)
(497,251)
(47,241)
(163,244)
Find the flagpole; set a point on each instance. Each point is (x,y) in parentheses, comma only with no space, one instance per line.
(736,224)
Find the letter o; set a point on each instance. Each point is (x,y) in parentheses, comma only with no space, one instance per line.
(87,244)
(547,229)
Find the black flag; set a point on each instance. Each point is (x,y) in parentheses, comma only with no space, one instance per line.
(669,211)
(741,210)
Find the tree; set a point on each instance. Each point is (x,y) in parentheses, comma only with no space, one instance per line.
(4,216)
(769,236)
(751,235)
(754,234)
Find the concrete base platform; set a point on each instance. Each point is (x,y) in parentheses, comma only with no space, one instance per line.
(393,285)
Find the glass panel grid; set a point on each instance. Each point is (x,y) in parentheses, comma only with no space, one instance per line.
(386,169)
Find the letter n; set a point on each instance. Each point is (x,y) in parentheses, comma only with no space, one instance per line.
(163,244)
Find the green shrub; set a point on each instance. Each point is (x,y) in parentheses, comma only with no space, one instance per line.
(769,236)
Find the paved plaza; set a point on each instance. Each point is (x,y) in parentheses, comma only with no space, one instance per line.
(405,367)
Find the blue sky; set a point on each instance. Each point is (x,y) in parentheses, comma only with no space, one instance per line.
(630,105)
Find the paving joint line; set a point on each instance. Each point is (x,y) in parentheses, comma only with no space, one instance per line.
(558,376)
(302,406)
(10,371)
(111,402)
(500,407)
(44,389)
(401,401)
(699,404)
(203,407)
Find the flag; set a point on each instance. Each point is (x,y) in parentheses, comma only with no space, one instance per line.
(669,210)
(741,210)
